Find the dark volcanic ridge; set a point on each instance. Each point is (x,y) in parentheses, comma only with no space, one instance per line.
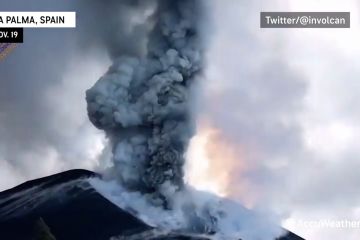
(73,210)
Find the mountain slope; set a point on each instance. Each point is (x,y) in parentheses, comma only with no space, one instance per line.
(73,210)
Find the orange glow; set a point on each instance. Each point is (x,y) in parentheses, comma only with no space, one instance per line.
(216,165)
(201,165)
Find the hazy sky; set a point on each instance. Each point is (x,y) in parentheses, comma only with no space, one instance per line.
(290,96)
(43,123)
(286,97)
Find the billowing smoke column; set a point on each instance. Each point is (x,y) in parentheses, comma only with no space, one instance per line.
(143,103)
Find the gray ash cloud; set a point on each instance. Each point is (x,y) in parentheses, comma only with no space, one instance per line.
(143,102)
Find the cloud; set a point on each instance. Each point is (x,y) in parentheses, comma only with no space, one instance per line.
(253,97)
(287,98)
(115,25)
(43,122)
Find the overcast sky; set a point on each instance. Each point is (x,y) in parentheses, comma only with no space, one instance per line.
(288,96)
(291,96)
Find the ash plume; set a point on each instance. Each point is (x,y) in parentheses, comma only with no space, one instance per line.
(143,101)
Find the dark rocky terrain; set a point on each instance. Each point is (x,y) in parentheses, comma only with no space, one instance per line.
(72,210)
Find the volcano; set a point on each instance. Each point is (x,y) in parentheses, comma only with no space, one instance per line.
(69,208)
